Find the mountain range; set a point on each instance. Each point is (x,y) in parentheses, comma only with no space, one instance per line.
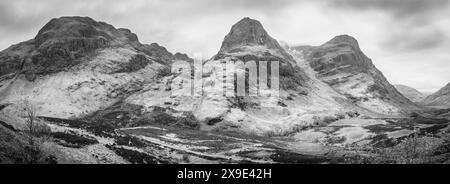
(90,79)
(439,99)
(76,66)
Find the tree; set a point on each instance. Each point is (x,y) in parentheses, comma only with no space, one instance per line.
(36,132)
(30,120)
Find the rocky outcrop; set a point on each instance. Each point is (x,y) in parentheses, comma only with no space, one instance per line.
(59,45)
(136,63)
(183,57)
(160,52)
(13,58)
(76,65)
(63,41)
(129,35)
(250,33)
(249,41)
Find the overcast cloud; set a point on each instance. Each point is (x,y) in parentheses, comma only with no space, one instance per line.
(407,39)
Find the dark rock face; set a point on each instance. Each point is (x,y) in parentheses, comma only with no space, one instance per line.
(136,63)
(9,66)
(59,45)
(64,41)
(249,33)
(69,36)
(162,55)
(184,57)
(158,51)
(12,59)
(129,35)
(440,98)
(340,61)
(344,51)
(345,40)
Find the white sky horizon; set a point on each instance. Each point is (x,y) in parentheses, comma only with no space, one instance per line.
(408,40)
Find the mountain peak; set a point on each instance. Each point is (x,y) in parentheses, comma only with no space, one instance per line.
(60,29)
(248,19)
(248,32)
(247,22)
(346,39)
(69,19)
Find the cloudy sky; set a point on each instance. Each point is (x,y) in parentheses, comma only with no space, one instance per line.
(408,40)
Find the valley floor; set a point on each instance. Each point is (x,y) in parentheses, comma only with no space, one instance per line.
(420,139)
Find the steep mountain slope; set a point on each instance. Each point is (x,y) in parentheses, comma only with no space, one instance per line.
(412,94)
(247,34)
(341,64)
(76,65)
(441,98)
(249,41)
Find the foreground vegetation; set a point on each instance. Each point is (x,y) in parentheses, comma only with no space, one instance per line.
(125,125)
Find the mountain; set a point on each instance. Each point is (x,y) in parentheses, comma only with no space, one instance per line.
(248,34)
(341,64)
(248,40)
(412,94)
(105,97)
(76,65)
(440,99)
(303,99)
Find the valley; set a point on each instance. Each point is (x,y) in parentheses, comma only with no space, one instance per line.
(353,140)
(85,92)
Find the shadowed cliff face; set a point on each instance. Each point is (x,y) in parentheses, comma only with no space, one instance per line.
(62,42)
(76,65)
(163,55)
(249,41)
(250,32)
